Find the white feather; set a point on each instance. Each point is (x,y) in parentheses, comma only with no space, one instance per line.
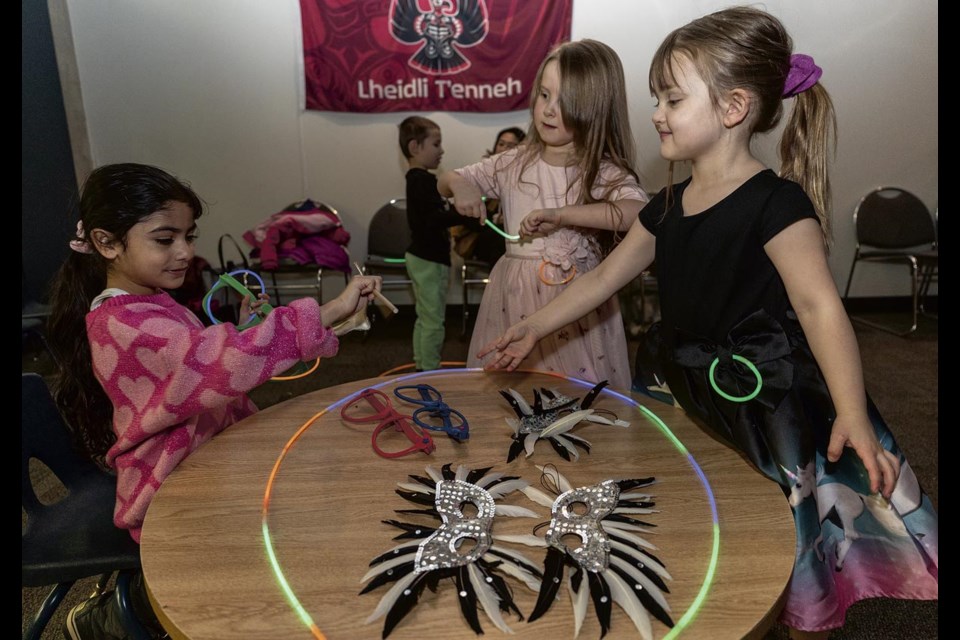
(537,496)
(642,557)
(524,407)
(390,597)
(488,598)
(637,496)
(566,444)
(524,538)
(386,565)
(435,475)
(515,512)
(598,419)
(515,570)
(636,510)
(519,559)
(637,540)
(416,487)
(623,596)
(462,473)
(490,477)
(529,443)
(566,423)
(505,488)
(514,424)
(579,599)
(642,580)
(626,526)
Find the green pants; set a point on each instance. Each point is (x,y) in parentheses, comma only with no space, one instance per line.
(430,281)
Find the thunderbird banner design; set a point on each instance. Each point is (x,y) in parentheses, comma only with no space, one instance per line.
(371,56)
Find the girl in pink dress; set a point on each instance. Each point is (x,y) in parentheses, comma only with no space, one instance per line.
(580,136)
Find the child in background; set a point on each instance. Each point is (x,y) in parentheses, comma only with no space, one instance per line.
(755,341)
(572,177)
(141,382)
(428,258)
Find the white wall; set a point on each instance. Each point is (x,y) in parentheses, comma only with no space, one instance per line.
(211,91)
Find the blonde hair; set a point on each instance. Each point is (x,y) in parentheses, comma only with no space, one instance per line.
(746,48)
(593,101)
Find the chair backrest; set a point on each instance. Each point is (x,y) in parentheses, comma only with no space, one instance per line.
(893,218)
(389,235)
(74,537)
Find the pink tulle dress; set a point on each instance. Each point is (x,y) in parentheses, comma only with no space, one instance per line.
(534,272)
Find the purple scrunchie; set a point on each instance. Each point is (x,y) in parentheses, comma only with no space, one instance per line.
(803,74)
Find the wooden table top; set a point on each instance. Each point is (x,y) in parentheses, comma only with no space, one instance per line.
(206,562)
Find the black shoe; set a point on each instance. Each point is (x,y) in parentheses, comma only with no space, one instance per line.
(86,620)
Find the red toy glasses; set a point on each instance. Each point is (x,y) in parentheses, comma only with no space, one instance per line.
(358,411)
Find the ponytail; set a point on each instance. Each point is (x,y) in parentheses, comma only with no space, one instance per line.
(85,407)
(809,138)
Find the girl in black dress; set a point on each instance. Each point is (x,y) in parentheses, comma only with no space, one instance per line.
(754,340)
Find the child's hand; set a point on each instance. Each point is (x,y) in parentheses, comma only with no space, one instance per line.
(248,308)
(511,348)
(468,200)
(358,294)
(857,433)
(540,221)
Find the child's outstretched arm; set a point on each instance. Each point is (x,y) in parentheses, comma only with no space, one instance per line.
(467,198)
(631,256)
(612,216)
(798,254)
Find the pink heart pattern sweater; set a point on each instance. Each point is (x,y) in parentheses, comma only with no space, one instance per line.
(174,383)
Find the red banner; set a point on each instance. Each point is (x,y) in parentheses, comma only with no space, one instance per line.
(427,55)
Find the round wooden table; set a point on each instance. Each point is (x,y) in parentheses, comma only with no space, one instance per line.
(724,532)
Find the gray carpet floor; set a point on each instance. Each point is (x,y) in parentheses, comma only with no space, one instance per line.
(901,375)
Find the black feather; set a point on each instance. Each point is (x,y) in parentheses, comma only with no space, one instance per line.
(467,599)
(476,474)
(559,448)
(427,482)
(537,403)
(620,517)
(640,504)
(448,473)
(516,447)
(643,568)
(643,595)
(602,601)
(417,497)
(576,578)
(529,567)
(403,605)
(550,583)
(414,531)
(513,403)
(390,555)
(550,395)
(395,574)
(422,512)
(615,536)
(592,394)
(627,485)
(578,441)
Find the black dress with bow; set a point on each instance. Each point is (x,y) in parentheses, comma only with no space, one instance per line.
(734,356)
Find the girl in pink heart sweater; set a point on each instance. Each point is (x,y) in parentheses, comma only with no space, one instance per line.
(142,382)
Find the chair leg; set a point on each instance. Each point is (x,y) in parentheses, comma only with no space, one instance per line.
(42,618)
(914,286)
(125,605)
(463,287)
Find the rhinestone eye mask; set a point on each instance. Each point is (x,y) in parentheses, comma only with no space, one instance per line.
(612,563)
(435,551)
(552,418)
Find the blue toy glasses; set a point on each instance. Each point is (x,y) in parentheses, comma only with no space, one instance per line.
(434,414)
